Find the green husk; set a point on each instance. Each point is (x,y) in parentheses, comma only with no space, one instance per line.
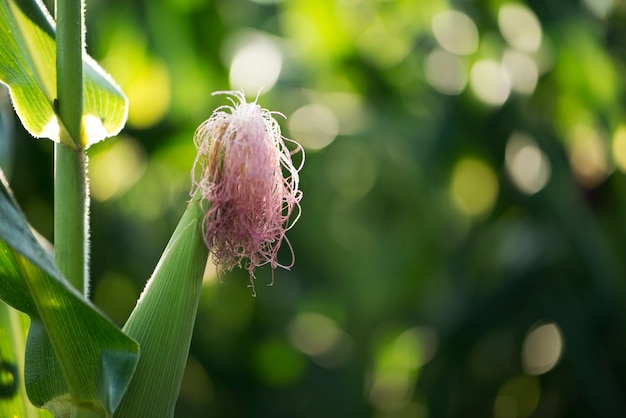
(163,320)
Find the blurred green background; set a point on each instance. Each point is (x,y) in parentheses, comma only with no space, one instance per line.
(461,249)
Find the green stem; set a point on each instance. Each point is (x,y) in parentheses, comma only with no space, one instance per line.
(71,225)
(69,38)
(70,180)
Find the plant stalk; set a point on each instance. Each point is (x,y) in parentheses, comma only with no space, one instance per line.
(70,181)
(71,224)
(69,56)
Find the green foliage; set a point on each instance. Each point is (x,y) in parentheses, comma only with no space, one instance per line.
(414,219)
(441,226)
(72,350)
(27,66)
(13,399)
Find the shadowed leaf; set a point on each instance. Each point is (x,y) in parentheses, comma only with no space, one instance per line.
(72,350)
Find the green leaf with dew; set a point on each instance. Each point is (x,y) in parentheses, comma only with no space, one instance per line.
(28,67)
(72,351)
(163,320)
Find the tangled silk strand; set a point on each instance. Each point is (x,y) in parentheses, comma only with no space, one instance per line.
(245,173)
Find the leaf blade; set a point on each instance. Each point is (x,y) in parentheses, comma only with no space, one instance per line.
(72,349)
(28,68)
(13,399)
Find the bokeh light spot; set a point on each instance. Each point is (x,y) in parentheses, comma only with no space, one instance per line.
(600,8)
(314,334)
(351,169)
(144,78)
(256,65)
(314,126)
(320,337)
(426,341)
(149,198)
(455,32)
(396,366)
(474,186)
(149,94)
(527,166)
(349,109)
(522,70)
(618,148)
(542,349)
(588,155)
(518,398)
(446,72)
(383,45)
(490,82)
(520,27)
(115,166)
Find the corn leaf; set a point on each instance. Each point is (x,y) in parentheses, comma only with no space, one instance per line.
(13,399)
(6,131)
(28,67)
(72,351)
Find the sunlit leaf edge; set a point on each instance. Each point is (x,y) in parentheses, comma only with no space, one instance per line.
(27,67)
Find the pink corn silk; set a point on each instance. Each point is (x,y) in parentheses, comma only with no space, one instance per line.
(245,173)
